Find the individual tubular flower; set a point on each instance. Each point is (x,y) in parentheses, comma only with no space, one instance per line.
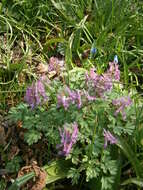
(63,100)
(121,104)
(35,94)
(68,139)
(108,137)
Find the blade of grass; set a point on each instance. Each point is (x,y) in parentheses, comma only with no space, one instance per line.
(125,147)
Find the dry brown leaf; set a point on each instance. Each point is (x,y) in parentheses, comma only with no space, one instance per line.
(19,124)
(13,152)
(52,74)
(25,170)
(42,68)
(21,78)
(40,179)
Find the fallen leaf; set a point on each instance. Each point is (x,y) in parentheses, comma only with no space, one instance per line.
(40,180)
(42,68)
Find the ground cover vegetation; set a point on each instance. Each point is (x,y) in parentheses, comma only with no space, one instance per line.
(71,102)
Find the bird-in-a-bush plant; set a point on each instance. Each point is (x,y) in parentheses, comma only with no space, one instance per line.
(87,118)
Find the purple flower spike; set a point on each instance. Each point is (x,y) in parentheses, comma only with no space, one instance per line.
(35,94)
(68,139)
(29,96)
(75,132)
(114,70)
(117,73)
(70,97)
(121,104)
(108,137)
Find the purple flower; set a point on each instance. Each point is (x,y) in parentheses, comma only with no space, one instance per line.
(53,63)
(89,98)
(121,104)
(72,94)
(63,100)
(79,103)
(114,70)
(108,137)
(69,97)
(78,97)
(107,82)
(117,73)
(92,74)
(29,96)
(99,83)
(68,139)
(75,132)
(35,94)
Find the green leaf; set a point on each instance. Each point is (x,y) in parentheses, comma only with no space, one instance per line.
(21,181)
(32,136)
(136,181)
(74,174)
(2,184)
(14,164)
(57,170)
(106,182)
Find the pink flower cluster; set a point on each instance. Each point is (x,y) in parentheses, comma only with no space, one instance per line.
(68,139)
(96,85)
(108,137)
(73,97)
(121,104)
(68,97)
(103,83)
(36,94)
